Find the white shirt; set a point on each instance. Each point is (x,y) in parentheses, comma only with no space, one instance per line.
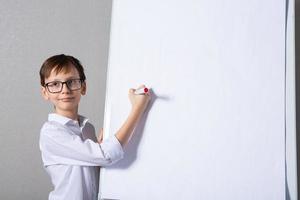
(72,156)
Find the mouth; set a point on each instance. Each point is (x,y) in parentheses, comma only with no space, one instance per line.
(67,99)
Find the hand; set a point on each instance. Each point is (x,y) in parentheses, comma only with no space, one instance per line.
(139,101)
(100,136)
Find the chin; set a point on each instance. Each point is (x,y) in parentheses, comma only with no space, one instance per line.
(67,107)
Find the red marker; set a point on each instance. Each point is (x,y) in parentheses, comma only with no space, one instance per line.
(141,91)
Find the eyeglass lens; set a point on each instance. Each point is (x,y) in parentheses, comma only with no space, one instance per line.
(57,86)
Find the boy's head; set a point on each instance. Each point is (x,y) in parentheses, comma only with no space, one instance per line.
(63,82)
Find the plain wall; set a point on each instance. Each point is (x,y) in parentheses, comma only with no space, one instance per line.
(31,31)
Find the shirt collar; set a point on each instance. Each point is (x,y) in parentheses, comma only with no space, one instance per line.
(65,120)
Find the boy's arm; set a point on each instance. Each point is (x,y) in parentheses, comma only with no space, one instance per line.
(139,104)
(127,128)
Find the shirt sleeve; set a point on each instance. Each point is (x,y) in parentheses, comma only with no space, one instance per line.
(58,146)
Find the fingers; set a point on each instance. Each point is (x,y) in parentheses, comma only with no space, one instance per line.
(100,136)
(131,91)
(148,93)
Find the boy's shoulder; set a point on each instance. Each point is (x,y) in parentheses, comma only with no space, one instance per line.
(65,132)
(59,123)
(52,127)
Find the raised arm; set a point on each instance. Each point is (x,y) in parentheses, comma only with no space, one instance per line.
(139,104)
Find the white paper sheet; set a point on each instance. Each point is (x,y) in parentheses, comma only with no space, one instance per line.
(215,129)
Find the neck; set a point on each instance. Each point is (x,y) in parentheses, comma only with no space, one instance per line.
(72,114)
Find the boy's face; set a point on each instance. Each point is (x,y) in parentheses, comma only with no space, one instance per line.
(65,101)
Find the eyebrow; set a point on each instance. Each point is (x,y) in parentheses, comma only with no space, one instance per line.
(71,77)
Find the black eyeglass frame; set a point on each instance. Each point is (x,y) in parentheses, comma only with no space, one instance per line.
(62,84)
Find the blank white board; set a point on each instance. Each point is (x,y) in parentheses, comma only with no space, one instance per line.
(215,128)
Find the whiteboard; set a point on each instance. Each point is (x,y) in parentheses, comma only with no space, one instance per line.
(215,128)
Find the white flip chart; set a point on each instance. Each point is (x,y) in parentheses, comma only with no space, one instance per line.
(215,128)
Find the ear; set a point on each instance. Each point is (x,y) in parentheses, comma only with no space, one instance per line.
(44,93)
(83,89)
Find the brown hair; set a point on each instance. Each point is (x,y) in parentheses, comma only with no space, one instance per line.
(60,63)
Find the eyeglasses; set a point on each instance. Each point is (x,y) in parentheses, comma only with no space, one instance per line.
(57,86)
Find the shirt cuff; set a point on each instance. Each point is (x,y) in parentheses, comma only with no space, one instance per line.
(112,149)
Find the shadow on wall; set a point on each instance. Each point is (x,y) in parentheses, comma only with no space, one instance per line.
(297,40)
(131,150)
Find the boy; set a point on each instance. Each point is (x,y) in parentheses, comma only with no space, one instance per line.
(70,150)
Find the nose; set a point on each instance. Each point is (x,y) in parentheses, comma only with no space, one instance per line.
(65,88)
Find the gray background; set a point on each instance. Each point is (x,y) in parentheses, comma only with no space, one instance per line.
(31,31)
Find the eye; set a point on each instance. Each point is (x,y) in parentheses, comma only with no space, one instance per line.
(70,82)
(54,84)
